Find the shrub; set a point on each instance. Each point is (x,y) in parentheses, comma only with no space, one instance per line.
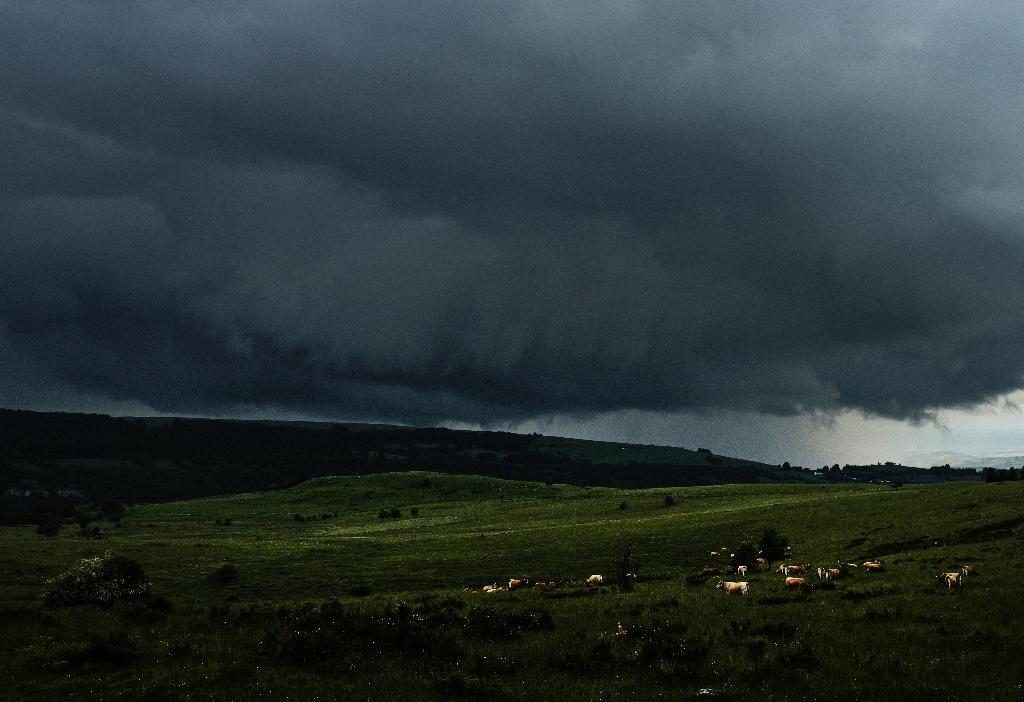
(49,525)
(414,511)
(99,580)
(298,518)
(624,565)
(224,574)
(82,519)
(669,500)
(361,591)
(623,506)
(773,545)
(395,513)
(746,555)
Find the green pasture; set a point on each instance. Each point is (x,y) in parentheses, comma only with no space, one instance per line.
(410,618)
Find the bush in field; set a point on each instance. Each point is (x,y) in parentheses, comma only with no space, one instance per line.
(624,565)
(99,580)
(773,545)
(224,575)
(623,506)
(83,519)
(745,555)
(49,525)
(669,500)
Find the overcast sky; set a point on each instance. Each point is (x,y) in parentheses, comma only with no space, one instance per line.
(794,230)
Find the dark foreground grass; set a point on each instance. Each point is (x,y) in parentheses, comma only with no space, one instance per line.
(358,607)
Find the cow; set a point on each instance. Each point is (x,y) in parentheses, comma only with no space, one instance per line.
(873,566)
(516,583)
(741,570)
(595,580)
(714,554)
(820,572)
(950,579)
(968,570)
(760,563)
(493,588)
(787,569)
(800,584)
(741,588)
(833,573)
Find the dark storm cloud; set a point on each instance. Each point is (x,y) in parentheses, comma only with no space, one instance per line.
(478,212)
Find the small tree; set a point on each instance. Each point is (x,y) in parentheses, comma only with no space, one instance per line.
(414,511)
(669,500)
(773,545)
(746,555)
(624,565)
(49,525)
(623,506)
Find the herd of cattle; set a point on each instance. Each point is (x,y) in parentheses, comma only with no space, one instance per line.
(521,583)
(798,577)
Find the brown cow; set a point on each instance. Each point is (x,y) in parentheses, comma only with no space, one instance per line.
(741,570)
(516,583)
(873,566)
(788,569)
(833,573)
(595,580)
(951,579)
(800,584)
(741,588)
(968,570)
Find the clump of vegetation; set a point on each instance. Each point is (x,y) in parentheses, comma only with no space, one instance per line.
(745,555)
(49,525)
(393,513)
(773,546)
(669,500)
(623,506)
(224,574)
(625,565)
(222,522)
(99,580)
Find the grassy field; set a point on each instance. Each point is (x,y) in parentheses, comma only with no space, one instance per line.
(358,607)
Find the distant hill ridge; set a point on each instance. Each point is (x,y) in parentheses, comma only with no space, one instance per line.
(141,459)
(72,456)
